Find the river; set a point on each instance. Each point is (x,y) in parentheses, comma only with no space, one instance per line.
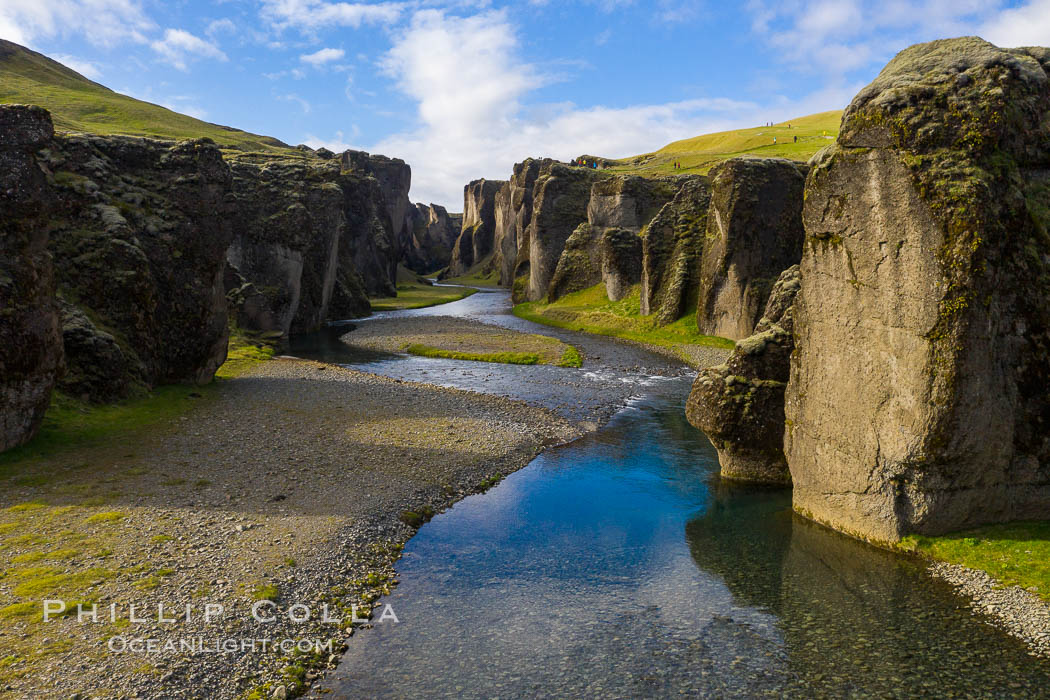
(620,565)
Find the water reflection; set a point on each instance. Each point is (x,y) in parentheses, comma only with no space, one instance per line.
(620,566)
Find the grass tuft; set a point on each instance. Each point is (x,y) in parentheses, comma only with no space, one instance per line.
(590,310)
(1016,554)
(507,358)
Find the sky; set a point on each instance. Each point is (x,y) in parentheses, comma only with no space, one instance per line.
(463,89)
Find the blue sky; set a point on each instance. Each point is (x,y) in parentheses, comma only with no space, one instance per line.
(463,89)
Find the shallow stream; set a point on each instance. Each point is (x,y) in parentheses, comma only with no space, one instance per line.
(622,566)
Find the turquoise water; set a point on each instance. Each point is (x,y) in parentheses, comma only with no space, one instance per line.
(621,566)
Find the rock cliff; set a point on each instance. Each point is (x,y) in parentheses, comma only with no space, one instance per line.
(139,232)
(119,252)
(917,400)
(433,234)
(314,236)
(30,340)
(754,232)
(477,238)
(561,195)
(740,405)
(672,244)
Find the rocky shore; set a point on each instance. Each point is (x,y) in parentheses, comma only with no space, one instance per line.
(297,483)
(1011,608)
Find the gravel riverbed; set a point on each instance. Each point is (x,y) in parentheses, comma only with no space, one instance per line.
(292,483)
(1022,614)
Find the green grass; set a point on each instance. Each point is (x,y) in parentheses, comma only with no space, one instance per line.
(71,424)
(420,296)
(571,358)
(266,591)
(1016,554)
(700,153)
(477,277)
(591,311)
(507,358)
(245,350)
(78,104)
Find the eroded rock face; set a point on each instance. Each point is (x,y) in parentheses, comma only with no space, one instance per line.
(621,256)
(561,195)
(579,266)
(628,202)
(139,235)
(754,232)
(740,405)
(672,244)
(917,400)
(30,342)
(434,232)
(287,226)
(477,239)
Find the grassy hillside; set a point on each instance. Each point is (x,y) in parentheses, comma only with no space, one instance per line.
(78,104)
(698,154)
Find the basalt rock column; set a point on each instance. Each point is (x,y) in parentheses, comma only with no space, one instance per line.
(918,396)
(30,342)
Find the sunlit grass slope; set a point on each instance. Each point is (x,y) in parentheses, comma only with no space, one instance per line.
(698,154)
(78,104)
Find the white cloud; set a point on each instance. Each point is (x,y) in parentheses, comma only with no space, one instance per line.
(1028,25)
(318,58)
(835,37)
(310,15)
(470,83)
(292,97)
(179,46)
(337,144)
(101,22)
(220,26)
(87,69)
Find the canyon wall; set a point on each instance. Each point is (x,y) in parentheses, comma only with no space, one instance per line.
(432,234)
(30,337)
(754,232)
(918,394)
(740,405)
(477,237)
(121,255)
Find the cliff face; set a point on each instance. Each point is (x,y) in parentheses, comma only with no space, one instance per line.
(433,233)
(478,235)
(560,229)
(672,244)
(118,254)
(560,197)
(917,400)
(30,341)
(754,232)
(139,235)
(740,405)
(314,236)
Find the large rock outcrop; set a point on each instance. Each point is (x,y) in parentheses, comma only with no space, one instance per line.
(433,234)
(617,210)
(312,237)
(672,244)
(754,232)
(621,255)
(561,195)
(30,342)
(918,396)
(579,265)
(119,253)
(478,235)
(139,232)
(740,405)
